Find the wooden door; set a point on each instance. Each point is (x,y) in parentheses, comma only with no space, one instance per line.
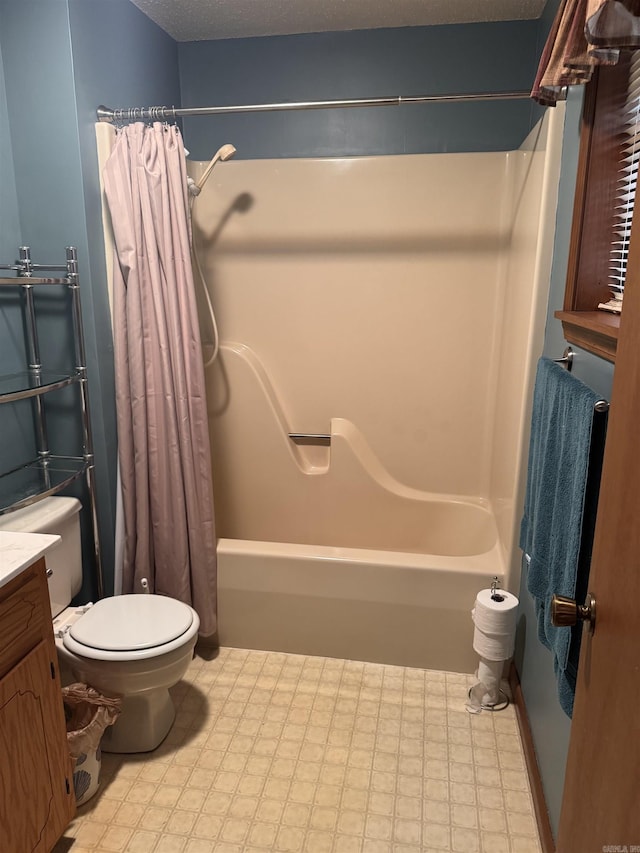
(601,802)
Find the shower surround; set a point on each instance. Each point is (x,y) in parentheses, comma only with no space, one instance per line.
(396,304)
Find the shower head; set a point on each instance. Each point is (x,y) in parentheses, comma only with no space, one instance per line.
(225,152)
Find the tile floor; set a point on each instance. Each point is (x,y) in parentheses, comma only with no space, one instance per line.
(279,752)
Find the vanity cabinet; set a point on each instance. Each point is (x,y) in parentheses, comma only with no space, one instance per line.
(36,782)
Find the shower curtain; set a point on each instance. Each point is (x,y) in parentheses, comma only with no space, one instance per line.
(163,440)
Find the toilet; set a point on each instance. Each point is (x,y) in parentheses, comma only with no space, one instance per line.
(133,646)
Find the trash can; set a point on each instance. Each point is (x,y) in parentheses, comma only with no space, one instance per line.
(87,714)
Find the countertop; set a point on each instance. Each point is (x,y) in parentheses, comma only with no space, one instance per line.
(19,550)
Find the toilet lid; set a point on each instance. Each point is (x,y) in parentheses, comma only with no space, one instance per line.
(131,622)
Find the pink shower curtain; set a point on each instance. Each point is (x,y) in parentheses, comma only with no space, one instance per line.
(163,438)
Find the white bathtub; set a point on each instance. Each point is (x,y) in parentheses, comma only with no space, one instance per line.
(324,552)
(384,606)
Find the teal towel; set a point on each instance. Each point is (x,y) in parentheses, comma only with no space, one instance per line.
(565,459)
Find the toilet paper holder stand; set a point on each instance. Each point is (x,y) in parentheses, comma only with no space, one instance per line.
(503,699)
(495,595)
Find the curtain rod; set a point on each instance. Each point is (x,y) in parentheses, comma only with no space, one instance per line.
(169,113)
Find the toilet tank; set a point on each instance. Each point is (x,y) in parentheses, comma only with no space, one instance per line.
(59,516)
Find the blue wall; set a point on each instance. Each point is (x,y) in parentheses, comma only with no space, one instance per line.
(41,118)
(18,445)
(51,102)
(549,725)
(360,64)
(9,222)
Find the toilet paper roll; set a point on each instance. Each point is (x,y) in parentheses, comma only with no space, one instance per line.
(493,647)
(490,673)
(486,690)
(495,617)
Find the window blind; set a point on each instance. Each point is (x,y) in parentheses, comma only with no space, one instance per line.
(627,179)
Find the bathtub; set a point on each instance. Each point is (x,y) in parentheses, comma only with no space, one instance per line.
(323,551)
(388,607)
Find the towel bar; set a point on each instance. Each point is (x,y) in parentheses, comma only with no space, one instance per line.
(567,359)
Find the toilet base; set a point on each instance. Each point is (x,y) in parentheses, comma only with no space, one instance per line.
(144,722)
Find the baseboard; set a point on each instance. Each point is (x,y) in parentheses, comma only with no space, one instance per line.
(537,792)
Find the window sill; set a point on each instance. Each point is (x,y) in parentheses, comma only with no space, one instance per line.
(594,331)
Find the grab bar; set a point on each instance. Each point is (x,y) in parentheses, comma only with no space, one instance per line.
(310,438)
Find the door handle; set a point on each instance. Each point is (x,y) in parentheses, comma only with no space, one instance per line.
(566,611)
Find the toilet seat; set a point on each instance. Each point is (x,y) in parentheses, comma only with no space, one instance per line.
(131,627)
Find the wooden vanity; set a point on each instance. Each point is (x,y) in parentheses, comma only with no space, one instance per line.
(36,781)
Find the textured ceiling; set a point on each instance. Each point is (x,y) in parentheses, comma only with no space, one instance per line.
(195,20)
